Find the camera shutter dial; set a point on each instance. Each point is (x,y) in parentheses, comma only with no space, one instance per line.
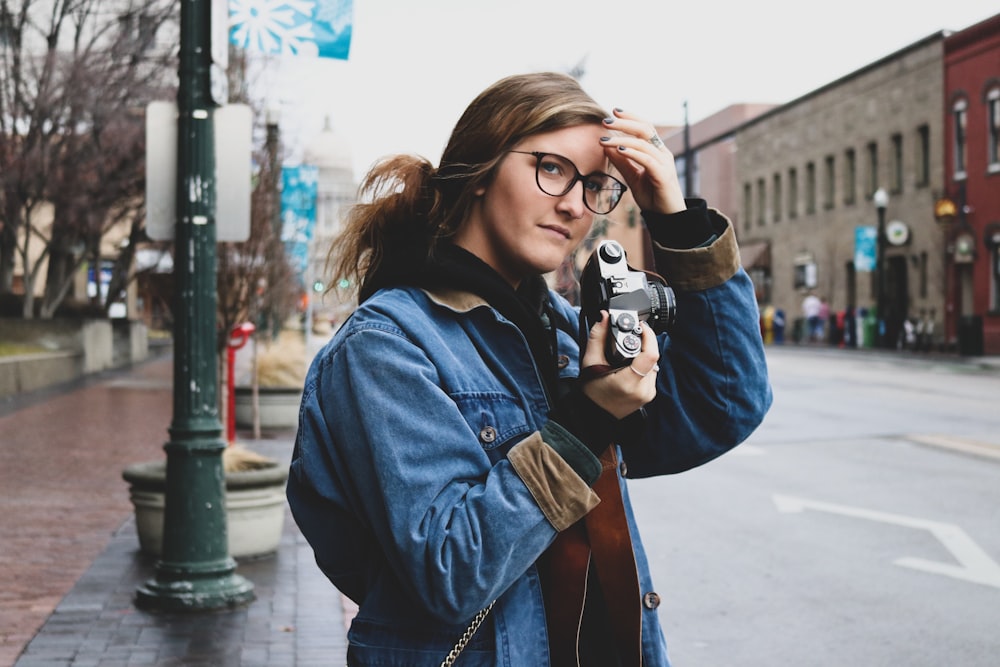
(632,344)
(611,252)
(626,322)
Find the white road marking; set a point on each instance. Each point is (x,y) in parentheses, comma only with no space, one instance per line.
(958,444)
(975,565)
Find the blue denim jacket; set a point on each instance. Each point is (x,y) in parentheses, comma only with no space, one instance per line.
(428,479)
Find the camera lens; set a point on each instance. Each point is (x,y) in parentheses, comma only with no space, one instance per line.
(663,306)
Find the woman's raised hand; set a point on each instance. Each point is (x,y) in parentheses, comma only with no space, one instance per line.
(647,166)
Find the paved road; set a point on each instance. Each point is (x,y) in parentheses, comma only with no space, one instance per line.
(860,525)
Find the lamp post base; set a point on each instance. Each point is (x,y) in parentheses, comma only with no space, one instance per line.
(179,588)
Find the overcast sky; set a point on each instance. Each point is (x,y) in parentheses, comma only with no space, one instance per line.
(414,66)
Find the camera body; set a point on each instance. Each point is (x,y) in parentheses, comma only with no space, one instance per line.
(630,297)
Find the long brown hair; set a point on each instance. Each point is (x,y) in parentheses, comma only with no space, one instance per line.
(407,206)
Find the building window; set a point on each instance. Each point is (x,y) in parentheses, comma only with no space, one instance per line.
(793,193)
(829,182)
(850,177)
(761,202)
(924,162)
(923,275)
(960,119)
(810,188)
(804,273)
(747,205)
(777,198)
(137,33)
(995,278)
(872,169)
(896,176)
(993,129)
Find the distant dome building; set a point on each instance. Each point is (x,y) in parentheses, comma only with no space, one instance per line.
(336,191)
(331,152)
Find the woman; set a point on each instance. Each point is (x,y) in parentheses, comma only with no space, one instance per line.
(450,454)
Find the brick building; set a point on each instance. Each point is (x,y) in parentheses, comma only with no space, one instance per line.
(807,171)
(970,207)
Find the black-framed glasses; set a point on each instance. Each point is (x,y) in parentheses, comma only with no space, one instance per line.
(556,175)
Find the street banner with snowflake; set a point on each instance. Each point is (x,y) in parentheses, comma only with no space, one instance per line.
(298,214)
(865,246)
(293,27)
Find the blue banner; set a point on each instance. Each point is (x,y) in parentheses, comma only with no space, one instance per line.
(298,213)
(293,27)
(865,242)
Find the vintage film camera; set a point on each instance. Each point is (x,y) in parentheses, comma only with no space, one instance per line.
(630,297)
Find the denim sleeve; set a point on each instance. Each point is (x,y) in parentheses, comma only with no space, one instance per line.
(383,450)
(712,388)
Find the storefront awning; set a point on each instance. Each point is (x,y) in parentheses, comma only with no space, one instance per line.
(755,255)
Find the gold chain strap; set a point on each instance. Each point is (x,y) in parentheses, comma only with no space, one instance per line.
(467,636)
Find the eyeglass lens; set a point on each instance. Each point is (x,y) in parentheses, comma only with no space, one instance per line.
(556,176)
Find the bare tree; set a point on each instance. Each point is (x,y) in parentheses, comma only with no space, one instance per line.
(75,76)
(255,281)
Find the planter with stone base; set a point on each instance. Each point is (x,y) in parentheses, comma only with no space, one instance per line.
(279,407)
(255,507)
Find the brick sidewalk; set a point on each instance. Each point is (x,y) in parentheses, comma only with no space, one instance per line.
(70,561)
(61,457)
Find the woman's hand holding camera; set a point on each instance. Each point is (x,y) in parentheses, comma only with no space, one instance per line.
(647,166)
(625,390)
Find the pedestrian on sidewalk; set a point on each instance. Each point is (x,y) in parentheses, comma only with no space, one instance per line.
(452,467)
(811,306)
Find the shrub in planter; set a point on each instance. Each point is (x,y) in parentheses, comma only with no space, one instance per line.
(281,371)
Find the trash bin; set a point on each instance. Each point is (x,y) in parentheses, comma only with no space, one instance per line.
(850,328)
(767,324)
(779,326)
(869,328)
(970,336)
(834,334)
(798,329)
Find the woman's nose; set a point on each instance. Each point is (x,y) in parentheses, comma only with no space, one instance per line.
(572,201)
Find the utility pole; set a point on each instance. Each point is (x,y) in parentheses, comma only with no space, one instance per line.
(688,156)
(195,571)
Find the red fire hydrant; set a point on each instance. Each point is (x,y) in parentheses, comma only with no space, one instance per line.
(237,338)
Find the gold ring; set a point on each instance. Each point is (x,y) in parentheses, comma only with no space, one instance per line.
(656,141)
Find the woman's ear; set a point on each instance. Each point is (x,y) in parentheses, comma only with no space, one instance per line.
(480,191)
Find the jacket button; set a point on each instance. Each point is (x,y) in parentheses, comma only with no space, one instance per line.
(488,434)
(562,361)
(623,469)
(651,600)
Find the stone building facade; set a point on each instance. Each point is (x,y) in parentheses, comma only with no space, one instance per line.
(807,171)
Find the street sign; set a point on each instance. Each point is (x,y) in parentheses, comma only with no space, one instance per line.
(232,131)
(161,170)
(897,233)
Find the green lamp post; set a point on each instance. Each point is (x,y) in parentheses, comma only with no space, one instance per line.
(195,571)
(881,200)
